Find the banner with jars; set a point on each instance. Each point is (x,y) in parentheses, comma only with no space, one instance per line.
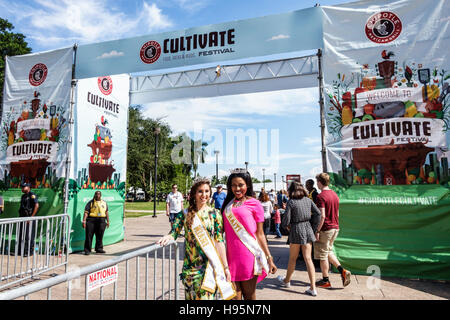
(34,126)
(387,110)
(387,77)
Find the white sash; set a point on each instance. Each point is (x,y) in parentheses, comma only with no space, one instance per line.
(248,240)
(215,272)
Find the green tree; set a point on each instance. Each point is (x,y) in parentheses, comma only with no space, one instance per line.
(141,156)
(11,44)
(189,152)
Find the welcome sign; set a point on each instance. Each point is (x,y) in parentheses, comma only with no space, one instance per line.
(386,74)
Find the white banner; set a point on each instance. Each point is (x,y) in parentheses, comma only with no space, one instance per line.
(35,114)
(386,79)
(102,278)
(101,132)
(394,131)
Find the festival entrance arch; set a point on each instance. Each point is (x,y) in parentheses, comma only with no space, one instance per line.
(356,92)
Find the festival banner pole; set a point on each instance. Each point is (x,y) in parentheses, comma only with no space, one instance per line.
(71,121)
(322,112)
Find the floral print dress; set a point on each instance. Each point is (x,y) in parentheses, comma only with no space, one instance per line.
(195,260)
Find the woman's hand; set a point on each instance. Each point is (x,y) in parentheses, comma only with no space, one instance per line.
(272,267)
(228,274)
(165,240)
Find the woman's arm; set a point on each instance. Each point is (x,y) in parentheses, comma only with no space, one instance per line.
(287,216)
(261,238)
(176,229)
(223,256)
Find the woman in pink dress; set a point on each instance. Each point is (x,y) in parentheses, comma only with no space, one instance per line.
(246,270)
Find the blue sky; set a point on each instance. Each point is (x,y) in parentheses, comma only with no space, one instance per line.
(292,114)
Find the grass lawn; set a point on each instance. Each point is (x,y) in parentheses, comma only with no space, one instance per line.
(147,206)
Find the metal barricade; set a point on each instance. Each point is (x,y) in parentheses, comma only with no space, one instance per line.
(70,284)
(32,246)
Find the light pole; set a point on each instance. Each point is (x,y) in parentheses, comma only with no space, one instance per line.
(246,166)
(282,181)
(275,181)
(216,152)
(156,132)
(264,179)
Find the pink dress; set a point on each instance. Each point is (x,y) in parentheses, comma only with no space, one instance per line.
(240,259)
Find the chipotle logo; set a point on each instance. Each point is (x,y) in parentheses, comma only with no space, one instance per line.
(150,52)
(383,27)
(38,74)
(105,85)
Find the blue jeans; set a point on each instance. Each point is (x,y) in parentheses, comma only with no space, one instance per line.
(277,229)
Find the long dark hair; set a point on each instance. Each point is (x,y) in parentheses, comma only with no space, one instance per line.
(248,181)
(192,205)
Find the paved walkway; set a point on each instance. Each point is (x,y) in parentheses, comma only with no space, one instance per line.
(146,230)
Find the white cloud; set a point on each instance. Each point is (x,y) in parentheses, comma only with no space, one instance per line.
(288,156)
(192,6)
(311,140)
(279,37)
(111,54)
(234,111)
(63,22)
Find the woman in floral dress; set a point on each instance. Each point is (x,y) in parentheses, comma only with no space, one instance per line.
(195,260)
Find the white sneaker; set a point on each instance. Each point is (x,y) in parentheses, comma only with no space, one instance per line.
(311,292)
(281,282)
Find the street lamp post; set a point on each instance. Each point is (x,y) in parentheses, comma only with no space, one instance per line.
(156,132)
(275,181)
(264,179)
(282,181)
(246,166)
(216,152)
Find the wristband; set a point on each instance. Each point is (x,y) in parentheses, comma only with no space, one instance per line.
(269,257)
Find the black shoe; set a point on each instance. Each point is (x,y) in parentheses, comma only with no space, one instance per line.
(323,284)
(86,253)
(100,251)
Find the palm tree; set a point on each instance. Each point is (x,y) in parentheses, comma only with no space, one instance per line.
(198,154)
(189,152)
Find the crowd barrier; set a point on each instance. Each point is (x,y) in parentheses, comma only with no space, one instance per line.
(69,286)
(32,246)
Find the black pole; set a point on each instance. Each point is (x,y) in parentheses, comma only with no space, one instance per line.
(275,180)
(322,112)
(217,165)
(156,171)
(264,180)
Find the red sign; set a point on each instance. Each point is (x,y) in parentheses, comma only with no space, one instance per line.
(292,177)
(383,27)
(105,85)
(38,74)
(150,52)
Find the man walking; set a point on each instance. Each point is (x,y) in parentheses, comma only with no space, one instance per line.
(218,197)
(327,231)
(28,208)
(95,221)
(312,191)
(174,204)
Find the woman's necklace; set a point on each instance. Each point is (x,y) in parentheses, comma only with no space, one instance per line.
(238,203)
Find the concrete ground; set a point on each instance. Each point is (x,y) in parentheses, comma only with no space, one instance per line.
(144,231)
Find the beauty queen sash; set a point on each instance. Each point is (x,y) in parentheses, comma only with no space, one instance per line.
(249,241)
(215,272)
